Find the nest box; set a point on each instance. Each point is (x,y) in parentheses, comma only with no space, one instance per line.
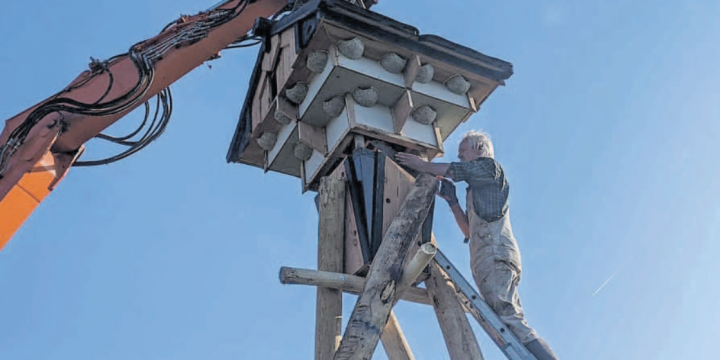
(332,70)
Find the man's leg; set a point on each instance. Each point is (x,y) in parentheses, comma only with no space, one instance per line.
(541,349)
(498,286)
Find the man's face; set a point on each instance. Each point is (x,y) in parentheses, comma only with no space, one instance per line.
(467,153)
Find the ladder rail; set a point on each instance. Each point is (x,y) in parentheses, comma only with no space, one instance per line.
(508,343)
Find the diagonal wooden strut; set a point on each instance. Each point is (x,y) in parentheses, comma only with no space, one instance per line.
(330,284)
(389,277)
(392,337)
(373,307)
(459,337)
(393,341)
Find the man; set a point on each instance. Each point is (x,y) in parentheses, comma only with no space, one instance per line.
(494,254)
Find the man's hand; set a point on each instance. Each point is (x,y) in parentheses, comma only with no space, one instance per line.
(412,161)
(448,192)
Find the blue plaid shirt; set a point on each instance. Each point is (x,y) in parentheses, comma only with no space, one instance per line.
(490,189)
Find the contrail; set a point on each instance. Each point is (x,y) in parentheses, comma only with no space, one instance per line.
(605,283)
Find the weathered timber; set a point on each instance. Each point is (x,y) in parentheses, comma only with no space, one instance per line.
(401,111)
(392,337)
(372,309)
(393,341)
(313,136)
(344,282)
(328,327)
(459,336)
(354,259)
(411,70)
(396,187)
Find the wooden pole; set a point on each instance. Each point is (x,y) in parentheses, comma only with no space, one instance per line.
(344,282)
(392,337)
(393,341)
(328,326)
(372,309)
(459,336)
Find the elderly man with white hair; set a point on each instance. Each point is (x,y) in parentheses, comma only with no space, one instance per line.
(494,253)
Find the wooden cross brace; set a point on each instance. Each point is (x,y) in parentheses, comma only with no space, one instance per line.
(381,292)
(390,278)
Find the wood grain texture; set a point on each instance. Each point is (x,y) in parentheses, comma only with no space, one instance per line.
(270,58)
(351,284)
(394,342)
(287,58)
(353,251)
(313,136)
(397,185)
(373,307)
(459,337)
(328,328)
(401,111)
(287,108)
(411,70)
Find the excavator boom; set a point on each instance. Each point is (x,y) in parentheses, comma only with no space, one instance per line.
(39,145)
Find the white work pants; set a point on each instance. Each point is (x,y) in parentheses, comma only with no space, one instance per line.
(497,268)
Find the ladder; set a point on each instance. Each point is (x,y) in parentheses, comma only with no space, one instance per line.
(485,316)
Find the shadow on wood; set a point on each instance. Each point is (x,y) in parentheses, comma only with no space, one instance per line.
(372,309)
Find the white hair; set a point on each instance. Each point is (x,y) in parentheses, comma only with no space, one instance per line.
(480,141)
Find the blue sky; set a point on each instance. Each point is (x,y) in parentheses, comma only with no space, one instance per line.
(607,131)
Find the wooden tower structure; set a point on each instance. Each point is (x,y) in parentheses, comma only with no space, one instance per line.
(336,91)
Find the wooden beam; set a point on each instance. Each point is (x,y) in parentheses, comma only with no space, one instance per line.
(328,327)
(411,70)
(374,304)
(433,153)
(270,58)
(393,341)
(344,282)
(359,140)
(459,337)
(392,337)
(353,251)
(401,111)
(287,58)
(287,108)
(397,184)
(257,117)
(313,136)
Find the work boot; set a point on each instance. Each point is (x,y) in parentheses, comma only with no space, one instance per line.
(541,350)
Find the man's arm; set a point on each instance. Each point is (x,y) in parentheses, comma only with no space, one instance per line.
(447,190)
(449,193)
(461,219)
(416,163)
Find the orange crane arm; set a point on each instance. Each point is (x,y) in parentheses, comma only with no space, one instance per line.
(39,145)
